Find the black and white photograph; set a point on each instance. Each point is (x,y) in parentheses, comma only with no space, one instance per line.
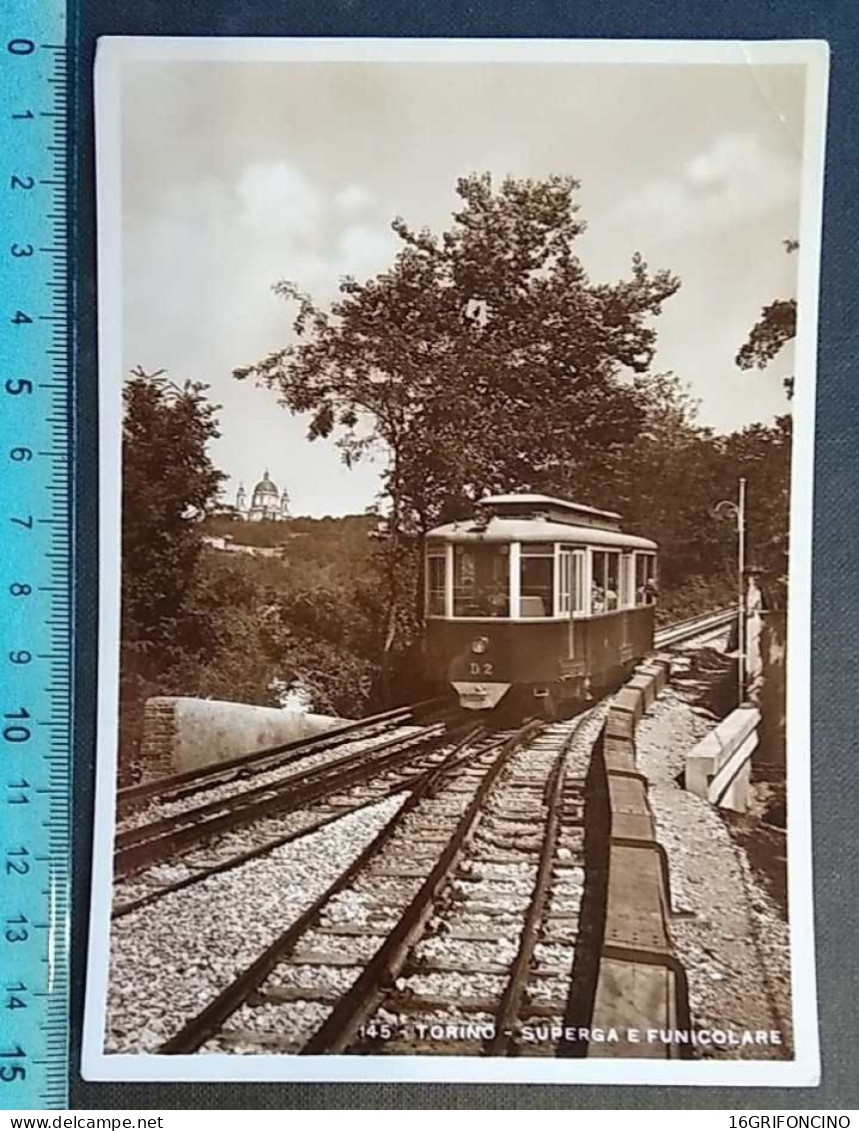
(456,446)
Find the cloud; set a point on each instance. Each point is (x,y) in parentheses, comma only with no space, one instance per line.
(736,179)
(316,243)
(279,200)
(353,198)
(362,250)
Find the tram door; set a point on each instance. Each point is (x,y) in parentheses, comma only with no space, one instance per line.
(571,589)
(627,603)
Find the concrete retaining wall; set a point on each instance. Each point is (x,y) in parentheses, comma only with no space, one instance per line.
(186,734)
(639,983)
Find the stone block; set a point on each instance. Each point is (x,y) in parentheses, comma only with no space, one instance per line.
(182,734)
(645,682)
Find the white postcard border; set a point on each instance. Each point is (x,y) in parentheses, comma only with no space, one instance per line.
(804,1069)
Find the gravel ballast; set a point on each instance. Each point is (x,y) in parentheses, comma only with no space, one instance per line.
(170,959)
(726,930)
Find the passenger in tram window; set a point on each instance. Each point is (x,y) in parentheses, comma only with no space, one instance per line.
(647,593)
(610,599)
(497,599)
(597,598)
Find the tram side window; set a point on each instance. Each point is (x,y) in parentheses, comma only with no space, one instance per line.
(481,581)
(435,584)
(605,580)
(537,580)
(645,579)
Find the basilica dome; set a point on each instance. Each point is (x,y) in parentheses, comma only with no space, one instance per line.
(267,503)
(265,494)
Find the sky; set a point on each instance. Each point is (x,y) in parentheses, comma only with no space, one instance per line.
(238,175)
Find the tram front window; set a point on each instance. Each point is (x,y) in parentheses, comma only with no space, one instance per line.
(537,580)
(481,581)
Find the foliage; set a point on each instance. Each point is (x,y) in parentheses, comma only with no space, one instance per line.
(233,626)
(168,481)
(775,328)
(771,333)
(291,535)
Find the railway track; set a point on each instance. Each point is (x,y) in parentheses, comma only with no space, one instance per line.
(181,787)
(391,760)
(245,842)
(704,625)
(464,906)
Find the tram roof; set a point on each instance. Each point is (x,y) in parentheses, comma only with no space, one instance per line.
(501,529)
(519,503)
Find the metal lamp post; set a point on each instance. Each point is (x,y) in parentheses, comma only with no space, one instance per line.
(738,509)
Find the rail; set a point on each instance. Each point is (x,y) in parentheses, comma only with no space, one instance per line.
(634,973)
(162,838)
(258,761)
(284,754)
(694,626)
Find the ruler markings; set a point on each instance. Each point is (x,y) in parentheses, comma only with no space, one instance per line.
(34,529)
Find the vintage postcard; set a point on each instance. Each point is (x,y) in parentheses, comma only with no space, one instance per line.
(456,474)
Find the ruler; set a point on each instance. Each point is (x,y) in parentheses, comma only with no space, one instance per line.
(35,557)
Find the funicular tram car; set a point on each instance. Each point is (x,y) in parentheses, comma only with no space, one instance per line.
(537,602)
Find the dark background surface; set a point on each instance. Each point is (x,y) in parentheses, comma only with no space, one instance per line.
(835,703)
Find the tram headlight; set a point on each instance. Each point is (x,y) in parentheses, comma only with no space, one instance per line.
(479,645)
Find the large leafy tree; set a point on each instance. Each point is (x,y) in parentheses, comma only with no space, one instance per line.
(671,479)
(483,358)
(168,480)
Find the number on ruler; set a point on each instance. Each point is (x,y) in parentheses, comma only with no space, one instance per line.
(18,792)
(16,862)
(13,1001)
(15,386)
(15,929)
(10,1072)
